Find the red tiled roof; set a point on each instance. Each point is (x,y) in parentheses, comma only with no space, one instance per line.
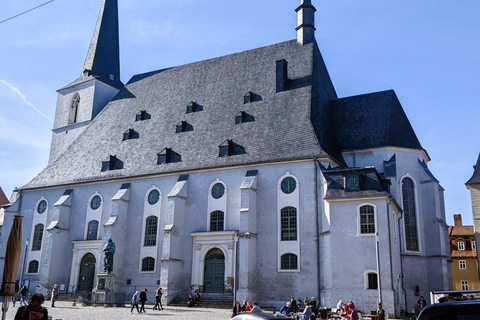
(3,198)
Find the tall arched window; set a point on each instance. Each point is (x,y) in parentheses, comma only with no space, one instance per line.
(151,231)
(216,221)
(33,266)
(148,264)
(410,214)
(92,230)
(37,237)
(367,219)
(288,224)
(73,116)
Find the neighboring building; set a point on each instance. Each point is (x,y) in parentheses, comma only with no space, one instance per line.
(3,201)
(474,186)
(244,176)
(463,250)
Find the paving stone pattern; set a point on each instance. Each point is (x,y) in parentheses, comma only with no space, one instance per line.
(65,311)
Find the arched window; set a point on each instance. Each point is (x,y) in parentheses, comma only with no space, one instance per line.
(148,264)
(33,266)
(151,231)
(289,261)
(73,117)
(288,224)
(37,237)
(409,210)
(216,221)
(92,230)
(367,219)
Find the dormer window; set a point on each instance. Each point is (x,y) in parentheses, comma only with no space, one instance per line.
(251,97)
(194,107)
(142,115)
(167,155)
(86,73)
(130,134)
(352,182)
(230,148)
(111,76)
(243,117)
(183,126)
(112,163)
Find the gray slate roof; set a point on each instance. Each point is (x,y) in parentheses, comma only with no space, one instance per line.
(282,129)
(476,173)
(373,120)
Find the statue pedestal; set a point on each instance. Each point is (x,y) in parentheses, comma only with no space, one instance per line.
(107,290)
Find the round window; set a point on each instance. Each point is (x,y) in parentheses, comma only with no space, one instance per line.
(42,206)
(95,203)
(153,197)
(218,190)
(288,185)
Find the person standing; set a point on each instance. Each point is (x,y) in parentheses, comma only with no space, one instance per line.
(158,299)
(143,299)
(54,294)
(135,299)
(23,296)
(34,310)
(422,303)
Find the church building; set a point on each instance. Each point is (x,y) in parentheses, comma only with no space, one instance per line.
(243,176)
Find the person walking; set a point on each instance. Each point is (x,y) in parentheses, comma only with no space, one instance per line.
(54,294)
(143,299)
(23,296)
(135,299)
(158,299)
(34,310)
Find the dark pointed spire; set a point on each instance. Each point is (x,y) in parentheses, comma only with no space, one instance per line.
(103,58)
(305,22)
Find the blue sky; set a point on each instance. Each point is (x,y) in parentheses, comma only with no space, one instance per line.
(427,51)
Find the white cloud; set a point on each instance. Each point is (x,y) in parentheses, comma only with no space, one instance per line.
(24,99)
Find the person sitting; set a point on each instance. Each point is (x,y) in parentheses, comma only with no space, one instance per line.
(248,306)
(293,302)
(353,315)
(380,311)
(197,296)
(236,309)
(307,313)
(286,309)
(256,308)
(34,310)
(190,301)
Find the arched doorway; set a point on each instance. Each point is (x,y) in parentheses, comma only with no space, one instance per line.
(214,271)
(87,273)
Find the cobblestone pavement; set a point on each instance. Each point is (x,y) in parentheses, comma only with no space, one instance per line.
(65,311)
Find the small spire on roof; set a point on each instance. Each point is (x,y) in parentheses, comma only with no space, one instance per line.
(305,22)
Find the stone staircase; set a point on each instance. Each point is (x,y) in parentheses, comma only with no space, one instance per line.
(210,300)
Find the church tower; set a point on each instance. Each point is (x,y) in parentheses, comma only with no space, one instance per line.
(79,102)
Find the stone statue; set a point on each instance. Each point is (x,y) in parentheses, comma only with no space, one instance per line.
(108,252)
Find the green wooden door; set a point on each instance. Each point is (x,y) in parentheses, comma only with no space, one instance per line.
(214,271)
(87,273)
